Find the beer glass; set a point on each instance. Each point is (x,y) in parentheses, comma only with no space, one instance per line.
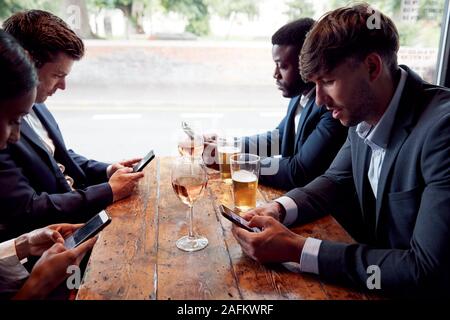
(244,173)
(226,147)
(189,178)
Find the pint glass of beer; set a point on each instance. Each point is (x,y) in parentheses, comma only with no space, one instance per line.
(244,173)
(226,147)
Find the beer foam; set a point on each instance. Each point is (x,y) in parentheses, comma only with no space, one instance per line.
(228,149)
(244,176)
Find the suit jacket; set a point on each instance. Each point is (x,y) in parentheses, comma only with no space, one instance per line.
(35,193)
(407,231)
(304,155)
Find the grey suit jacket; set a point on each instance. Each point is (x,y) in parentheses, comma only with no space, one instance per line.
(407,234)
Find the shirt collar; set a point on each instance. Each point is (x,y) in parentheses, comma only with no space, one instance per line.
(305,98)
(379,134)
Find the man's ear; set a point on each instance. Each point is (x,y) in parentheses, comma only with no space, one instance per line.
(374,65)
(37,63)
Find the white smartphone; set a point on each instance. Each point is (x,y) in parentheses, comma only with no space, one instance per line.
(90,229)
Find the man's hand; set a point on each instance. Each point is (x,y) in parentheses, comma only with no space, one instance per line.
(275,243)
(123,182)
(272,209)
(120,165)
(51,269)
(210,155)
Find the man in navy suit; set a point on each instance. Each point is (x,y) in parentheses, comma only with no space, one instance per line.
(308,135)
(41,181)
(396,160)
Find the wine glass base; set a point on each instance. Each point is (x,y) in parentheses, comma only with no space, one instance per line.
(191,244)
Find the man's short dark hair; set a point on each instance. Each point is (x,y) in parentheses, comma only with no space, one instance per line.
(293,33)
(17,72)
(44,36)
(349,32)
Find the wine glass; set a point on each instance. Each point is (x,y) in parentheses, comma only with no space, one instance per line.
(190,143)
(189,178)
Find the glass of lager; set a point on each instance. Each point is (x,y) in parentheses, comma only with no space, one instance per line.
(244,173)
(226,147)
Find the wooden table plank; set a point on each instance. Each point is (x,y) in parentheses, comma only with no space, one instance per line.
(123,261)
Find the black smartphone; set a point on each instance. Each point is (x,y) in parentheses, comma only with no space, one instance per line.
(90,229)
(144,162)
(236,219)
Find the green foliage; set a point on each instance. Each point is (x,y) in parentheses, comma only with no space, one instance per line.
(300,9)
(8,7)
(226,9)
(196,12)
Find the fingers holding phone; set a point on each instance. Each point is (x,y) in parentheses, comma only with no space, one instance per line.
(123,182)
(275,243)
(51,269)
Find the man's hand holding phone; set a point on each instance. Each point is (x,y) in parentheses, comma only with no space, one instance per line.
(120,165)
(236,219)
(123,182)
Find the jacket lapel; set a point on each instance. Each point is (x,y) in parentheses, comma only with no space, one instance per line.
(405,118)
(52,131)
(287,144)
(361,156)
(30,134)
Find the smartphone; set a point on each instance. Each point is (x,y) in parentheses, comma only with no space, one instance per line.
(144,162)
(236,219)
(90,229)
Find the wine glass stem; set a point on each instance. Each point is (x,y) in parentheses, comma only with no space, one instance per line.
(191,221)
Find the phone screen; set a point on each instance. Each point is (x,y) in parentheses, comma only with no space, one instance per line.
(237,219)
(92,227)
(143,163)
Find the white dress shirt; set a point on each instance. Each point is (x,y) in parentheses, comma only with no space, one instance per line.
(12,272)
(376,138)
(304,99)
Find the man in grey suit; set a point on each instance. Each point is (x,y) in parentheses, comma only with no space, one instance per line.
(396,160)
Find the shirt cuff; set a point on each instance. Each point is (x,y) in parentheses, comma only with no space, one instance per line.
(11,268)
(291,210)
(309,259)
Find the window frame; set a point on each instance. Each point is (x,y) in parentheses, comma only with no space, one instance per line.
(443,68)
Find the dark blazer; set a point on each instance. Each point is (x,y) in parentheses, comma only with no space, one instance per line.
(304,155)
(407,230)
(35,193)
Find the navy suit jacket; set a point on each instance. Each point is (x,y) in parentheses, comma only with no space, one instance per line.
(304,155)
(35,193)
(406,230)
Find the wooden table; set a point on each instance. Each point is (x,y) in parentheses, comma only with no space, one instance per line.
(136,257)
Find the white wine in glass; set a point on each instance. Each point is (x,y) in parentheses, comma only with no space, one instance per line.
(189,179)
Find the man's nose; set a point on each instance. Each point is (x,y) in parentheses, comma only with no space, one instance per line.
(320,96)
(276,73)
(62,84)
